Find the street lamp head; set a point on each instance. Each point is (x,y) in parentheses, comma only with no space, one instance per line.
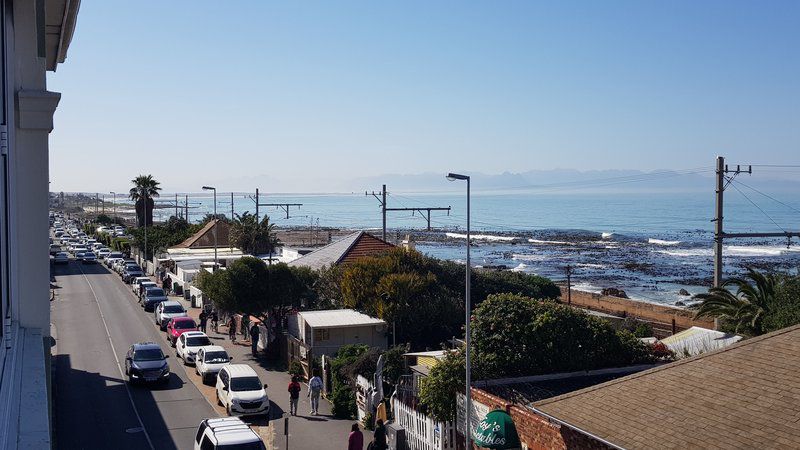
(456,176)
(209,188)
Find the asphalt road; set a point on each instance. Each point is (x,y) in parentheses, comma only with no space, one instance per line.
(95,320)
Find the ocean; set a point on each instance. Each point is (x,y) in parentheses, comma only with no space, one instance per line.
(651,245)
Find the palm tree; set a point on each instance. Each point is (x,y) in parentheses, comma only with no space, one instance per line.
(255,238)
(144,187)
(744,309)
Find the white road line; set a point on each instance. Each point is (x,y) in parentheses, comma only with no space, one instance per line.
(119,367)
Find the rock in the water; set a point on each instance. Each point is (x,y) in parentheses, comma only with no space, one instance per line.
(614,292)
(684,292)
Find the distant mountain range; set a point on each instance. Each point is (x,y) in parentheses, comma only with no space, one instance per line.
(555,181)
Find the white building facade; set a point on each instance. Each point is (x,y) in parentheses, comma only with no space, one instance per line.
(35,36)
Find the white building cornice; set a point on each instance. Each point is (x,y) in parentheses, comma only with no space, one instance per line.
(36,109)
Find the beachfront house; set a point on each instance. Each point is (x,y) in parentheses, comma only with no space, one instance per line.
(314,334)
(343,251)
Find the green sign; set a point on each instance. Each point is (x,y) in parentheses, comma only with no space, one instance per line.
(497,430)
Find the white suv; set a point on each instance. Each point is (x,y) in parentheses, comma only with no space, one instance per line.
(210,360)
(240,391)
(187,345)
(229,433)
(167,310)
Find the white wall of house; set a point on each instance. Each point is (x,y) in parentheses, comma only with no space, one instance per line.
(327,341)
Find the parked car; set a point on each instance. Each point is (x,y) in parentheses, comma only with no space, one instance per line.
(240,391)
(210,360)
(131,272)
(89,258)
(103,253)
(178,326)
(79,251)
(61,258)
(153,296)
(135,283)
(189,343)
(145,362)
(54,249)
(165,311)
(226,433)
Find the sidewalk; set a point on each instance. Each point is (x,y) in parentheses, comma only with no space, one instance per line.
(305,431)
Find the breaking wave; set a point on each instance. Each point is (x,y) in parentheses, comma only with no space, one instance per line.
(482,237)
(662,242)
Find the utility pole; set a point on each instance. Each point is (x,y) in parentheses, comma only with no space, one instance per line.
(104,203)
(723,181)
(96,203)
(186,205)
(423,211)
(176,206)
(569,284)
(284,206)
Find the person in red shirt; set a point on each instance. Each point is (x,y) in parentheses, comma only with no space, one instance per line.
(294,396)
(356,439)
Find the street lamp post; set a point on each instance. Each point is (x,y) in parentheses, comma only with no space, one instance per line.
(210,188)
(467,314)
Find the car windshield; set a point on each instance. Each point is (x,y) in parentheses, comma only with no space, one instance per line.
(198,341)
(88,254)
(216,357)
(243,446)
(184,324)
(148,354)
(171,309)
(156,292)
(246,384)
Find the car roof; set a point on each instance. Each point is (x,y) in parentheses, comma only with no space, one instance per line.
(231,430)
(189,334)
(182,319)
(241,370)
(145,345)
(171,303)
(214,348)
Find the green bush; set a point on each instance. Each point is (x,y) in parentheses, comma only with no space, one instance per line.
(368,421)
(343,402)
(296,369)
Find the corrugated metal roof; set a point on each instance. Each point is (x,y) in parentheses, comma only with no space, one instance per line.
(338,318)
(697,340)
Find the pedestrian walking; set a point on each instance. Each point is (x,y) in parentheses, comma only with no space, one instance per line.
(294,396)
(379,436)
(355,441)
(232,328)
(203,321)
(166,286)
(314,391)
(254,335)
(214,317)
(245,326)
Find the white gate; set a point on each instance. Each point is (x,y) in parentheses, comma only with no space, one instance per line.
(422,432)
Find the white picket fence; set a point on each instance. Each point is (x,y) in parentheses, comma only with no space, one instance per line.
(422,432)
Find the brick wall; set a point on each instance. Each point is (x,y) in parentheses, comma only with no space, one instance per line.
(535,431)
(651,312)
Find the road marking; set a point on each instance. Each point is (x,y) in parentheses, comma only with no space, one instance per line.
(119,367)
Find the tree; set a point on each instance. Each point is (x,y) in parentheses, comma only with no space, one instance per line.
(145,187)
(513,335)
(439,389)
(784,310)
(745,309)
(251,236)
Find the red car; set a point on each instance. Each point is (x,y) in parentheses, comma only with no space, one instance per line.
(179,325)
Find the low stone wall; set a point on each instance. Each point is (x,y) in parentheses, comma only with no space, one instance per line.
(650,312)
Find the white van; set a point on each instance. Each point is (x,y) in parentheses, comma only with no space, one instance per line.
(229,433)
(240,391)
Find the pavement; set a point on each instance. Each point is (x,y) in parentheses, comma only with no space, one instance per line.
(95,319)
(321,431)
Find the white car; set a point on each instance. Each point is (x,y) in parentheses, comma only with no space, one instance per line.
(103,253)
(189,343)
(210,360)
(135,283)
(240,391)
(226,433)
(165,311)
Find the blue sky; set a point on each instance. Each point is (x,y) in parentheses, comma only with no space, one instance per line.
(303,96)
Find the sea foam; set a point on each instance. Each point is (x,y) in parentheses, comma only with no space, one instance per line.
(662,242)
(482,237)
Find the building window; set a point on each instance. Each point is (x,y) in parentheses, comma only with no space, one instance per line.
(322,334)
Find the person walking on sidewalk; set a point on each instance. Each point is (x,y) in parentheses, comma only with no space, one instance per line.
(214,317)
(166,285)
(203,320)
(254,334)
(314,391)
(294,396)
(379,436)
(356,439)
(232,328)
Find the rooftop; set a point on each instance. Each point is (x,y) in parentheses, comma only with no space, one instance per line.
(746,395)
(697,340)
(345,250)
(338,318)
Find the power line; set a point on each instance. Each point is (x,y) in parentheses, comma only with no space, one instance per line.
(758,207)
